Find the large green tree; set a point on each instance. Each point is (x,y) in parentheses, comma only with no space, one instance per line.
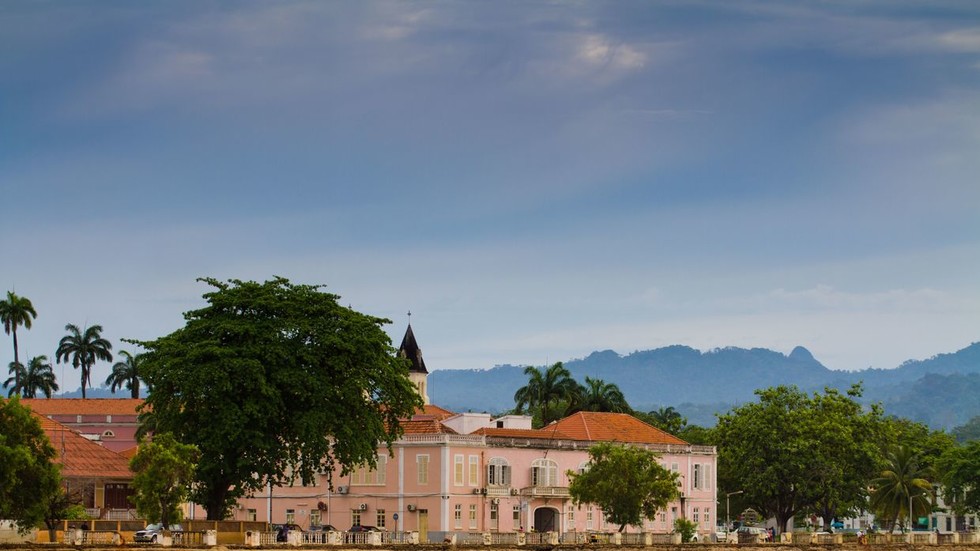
(29,478)
(83,347)
(546,393)
(14,311)
(959,470)
(598,395)
(272,382)
(126,373)
(627,482)
(164,471)
(791,452)
(36,377)
(903,488)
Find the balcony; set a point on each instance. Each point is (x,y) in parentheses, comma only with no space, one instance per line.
(545,491)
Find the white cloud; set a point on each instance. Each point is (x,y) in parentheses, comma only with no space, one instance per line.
(961,40)
(599,51)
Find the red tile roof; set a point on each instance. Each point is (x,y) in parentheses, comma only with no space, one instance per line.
(79,457)
(435,412)
(542,434)
(611,427)
(87,406)
(425,426)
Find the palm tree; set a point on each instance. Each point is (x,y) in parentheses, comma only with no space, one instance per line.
(16,370)
(545,390)
(126,373)
(38,376)
(84,348)
(16,311)
(903,489)
(668,419)
(598,395)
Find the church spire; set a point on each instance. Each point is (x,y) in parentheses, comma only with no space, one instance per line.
(417,373)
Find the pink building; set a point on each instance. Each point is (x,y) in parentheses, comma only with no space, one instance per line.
(112,422)
(469,472)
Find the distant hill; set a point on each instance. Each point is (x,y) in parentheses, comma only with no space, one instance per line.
(943,391)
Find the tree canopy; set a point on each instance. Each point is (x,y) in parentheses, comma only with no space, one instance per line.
(29,478)
(14,311)
(960,474)
(547,394)
(274,382)
(164,471)
(902,489)
(36,378)
(627,482)
(83,347)
(791,452)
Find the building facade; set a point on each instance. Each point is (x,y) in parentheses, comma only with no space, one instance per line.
(467,472)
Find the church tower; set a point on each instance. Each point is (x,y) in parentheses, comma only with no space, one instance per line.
(417,372)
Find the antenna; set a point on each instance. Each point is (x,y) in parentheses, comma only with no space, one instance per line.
(410,317)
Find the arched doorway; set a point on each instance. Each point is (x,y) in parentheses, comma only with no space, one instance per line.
(546,520)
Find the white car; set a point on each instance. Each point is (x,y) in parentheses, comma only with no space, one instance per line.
(151,534)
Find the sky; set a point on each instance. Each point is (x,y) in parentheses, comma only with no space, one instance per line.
(532,180)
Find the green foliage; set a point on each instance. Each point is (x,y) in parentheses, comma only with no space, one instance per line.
(968,431)
(164,471)
(668,420)
(686,528)
(275,382)
(628,483)
(36,377)
(698,435)
(83,348)
(598,395)
(15,311)
(546,394)
(960,468)
(904,482)
(126,373)
(29,479)
(793,452)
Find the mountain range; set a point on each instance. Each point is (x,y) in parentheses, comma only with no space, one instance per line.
(942,391)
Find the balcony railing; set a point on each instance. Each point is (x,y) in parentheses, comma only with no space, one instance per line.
(545,491)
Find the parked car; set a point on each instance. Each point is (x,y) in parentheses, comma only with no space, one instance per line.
(362,528)
(282,529)
(748,532)
(152,532)
(323,528)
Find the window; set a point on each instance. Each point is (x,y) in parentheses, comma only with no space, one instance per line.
(498,472)
(494,516)
(290,516)
(458,470)
(588,520)
(582,467)
(355,517)
(707,476)
(571,517)
(108,418)
(707,516)
(697,515)
(473,517)
(517,516)
(474,470)
(663,519)
(108,434)
(544,472)
(697,477)
(422,462)
(673,514)
(314,517)
(251,515)
(380,518)
(371,477)
(458,515)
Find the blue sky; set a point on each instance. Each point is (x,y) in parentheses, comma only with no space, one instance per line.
(533,180)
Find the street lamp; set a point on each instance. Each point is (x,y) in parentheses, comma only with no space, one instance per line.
(727,505)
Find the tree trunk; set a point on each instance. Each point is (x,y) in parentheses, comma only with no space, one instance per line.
(16,359)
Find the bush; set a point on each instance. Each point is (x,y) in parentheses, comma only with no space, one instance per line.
(685,528)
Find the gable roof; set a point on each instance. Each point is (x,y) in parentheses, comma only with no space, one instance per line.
(80,406)
(410,349)
(597,426)
(434,411)
(79,457)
